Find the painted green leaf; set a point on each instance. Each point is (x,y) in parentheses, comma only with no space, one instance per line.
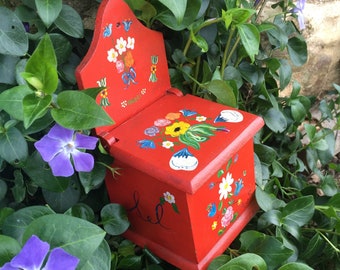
(114,219)
(76,236)
(178,8)
(76,110)
(11,101)
(16,224)
(35,108)
(48,10)
(70,22)
(13,146)
(42,65)
(250,38)
(13,37)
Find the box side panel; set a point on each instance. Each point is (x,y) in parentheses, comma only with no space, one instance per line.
(158,213)
(218,205)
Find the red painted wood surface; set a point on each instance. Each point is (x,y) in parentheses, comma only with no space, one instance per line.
(187,166)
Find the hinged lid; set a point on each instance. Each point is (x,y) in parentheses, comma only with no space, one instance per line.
(127,59)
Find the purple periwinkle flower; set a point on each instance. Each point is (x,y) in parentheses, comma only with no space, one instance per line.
(62,147)
(33,254)
(298,10)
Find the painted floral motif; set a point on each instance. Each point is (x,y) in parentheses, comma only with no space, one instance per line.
(183,160)
(185,127)
(225,186)
(176,129)
(169,198)
(154,61)
(104,100)
(121,56)
(223,211)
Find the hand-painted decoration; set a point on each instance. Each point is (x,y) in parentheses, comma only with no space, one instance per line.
(159,209)
(104,100)
(185,127)
(222,211)
(121,54)
(230,116)
(154,61)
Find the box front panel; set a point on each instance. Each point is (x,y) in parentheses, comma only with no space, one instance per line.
(222,200)
(158,212)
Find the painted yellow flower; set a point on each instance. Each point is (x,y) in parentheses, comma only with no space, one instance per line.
(214,225)
(177,129)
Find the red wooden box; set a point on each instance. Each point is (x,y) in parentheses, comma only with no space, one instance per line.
(187,168)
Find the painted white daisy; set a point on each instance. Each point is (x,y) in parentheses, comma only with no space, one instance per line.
(225,186)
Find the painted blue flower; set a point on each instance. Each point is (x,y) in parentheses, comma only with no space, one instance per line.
(33,254)
(108,30)
(151,131)
(212,209)
(127,25)
(298,10)
(188,112)
(62,148)
(147,144)
(239,186)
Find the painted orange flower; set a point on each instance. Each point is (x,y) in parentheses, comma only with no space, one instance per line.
(128,59)
(177,129)
(173,116)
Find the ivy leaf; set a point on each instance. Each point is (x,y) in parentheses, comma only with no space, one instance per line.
(100,259)
(11,101)
(275,120)
(298,211)
(9,247)
(77,110)
(167,17)
(16,224)
(177,8)
(269,248)
(250,38)
(13,146)
(114,219)
(42,67)
(70,22)
(76,236)
(297,50)
(13,37)
(245,261)
(42,176)
(223,92)
(35,108)
(48,10)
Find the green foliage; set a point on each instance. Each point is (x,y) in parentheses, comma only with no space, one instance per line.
(226,51)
